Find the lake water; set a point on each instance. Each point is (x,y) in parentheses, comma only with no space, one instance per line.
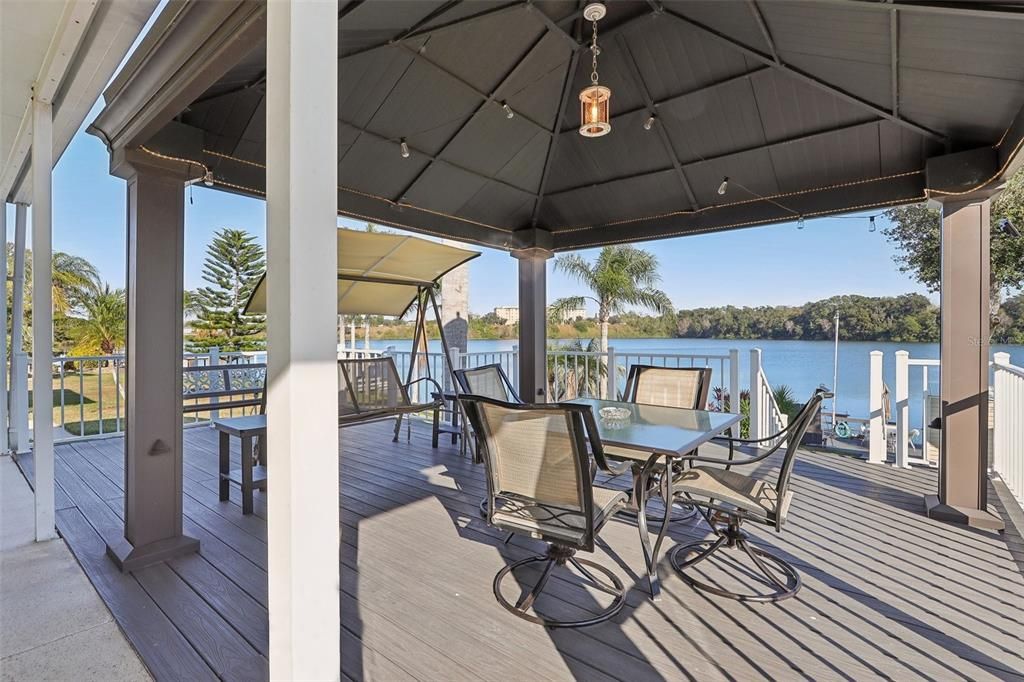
(801,365)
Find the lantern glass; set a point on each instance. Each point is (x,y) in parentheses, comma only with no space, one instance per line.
(594,111)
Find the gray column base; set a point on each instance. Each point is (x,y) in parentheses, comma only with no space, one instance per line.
(975,518)
(130,558)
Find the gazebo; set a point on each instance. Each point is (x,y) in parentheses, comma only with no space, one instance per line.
(461,119)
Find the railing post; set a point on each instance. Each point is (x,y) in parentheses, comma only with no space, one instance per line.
(214,360)
(734,380)
(515,366)
(876,428)
(612,387)
(902,406)
(1001,418)
(755,394)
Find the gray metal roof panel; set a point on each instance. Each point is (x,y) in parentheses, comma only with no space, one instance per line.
(713,122)
(489,140)
(788,107)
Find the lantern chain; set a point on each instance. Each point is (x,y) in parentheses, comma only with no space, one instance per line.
(595,50)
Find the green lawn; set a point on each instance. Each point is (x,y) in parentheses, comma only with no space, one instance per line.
(80,414)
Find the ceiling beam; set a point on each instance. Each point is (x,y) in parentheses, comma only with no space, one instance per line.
(894,59)
(418,54)
(433,158)
(756,11)
(549,159)
(409,34)
(991,10)
(799,74)
(501,84)
(692,163)
(666,143)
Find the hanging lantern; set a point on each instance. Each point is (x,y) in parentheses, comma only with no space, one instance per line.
(595,112)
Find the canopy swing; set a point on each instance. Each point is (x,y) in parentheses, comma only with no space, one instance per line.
(386,274)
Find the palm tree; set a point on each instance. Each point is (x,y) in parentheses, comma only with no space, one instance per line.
(622,277)
(102,330)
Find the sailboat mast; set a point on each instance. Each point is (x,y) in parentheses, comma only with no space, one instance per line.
(835,371)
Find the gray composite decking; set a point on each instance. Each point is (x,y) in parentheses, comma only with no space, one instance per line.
(887,593)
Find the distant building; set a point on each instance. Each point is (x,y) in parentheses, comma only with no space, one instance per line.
(573,314)
(509,314)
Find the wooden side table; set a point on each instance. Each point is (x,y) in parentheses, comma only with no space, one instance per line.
(250,475)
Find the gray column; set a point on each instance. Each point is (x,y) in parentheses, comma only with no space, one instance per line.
(3,333)
(964,357)
(153,436)
(533,320)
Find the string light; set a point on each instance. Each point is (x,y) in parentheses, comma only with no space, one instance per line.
(571,229)
(405,149)
(208,179)
(508,110)
(800,223)
(724,186)
(871,224)
(649,123)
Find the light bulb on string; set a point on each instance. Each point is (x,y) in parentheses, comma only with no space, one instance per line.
(508,110)
(405,149)
(800,223)
(649,123)
(724,186)
(871,224)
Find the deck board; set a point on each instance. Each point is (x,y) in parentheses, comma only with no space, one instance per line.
(888,593)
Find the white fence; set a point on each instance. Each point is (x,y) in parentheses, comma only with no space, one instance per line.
(1008,424)
(89,392)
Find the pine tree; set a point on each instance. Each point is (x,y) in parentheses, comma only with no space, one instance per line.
(234,263)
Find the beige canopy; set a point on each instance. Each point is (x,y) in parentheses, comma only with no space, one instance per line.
(380,273)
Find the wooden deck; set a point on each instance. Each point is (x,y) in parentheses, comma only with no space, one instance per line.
(887,592)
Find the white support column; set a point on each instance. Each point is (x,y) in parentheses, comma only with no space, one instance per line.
(876,415)
(755,394)
(3,334)
(734,381)
(19,358)
(303,532)
(902,406)
(533,332)
(42,318)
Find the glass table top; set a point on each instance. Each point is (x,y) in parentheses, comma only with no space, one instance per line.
(654,428)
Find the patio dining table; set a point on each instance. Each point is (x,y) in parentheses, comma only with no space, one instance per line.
(665,433)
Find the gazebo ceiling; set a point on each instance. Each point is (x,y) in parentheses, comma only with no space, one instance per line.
(808,108)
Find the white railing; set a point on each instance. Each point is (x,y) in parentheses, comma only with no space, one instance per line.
(909,443)
(89,391)
(765,416)
(1008,424)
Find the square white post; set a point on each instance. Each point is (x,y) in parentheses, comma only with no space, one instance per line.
(755,395)
(734,381)
(303,532)
(902,406)
(876,423)
(42,318)
(19,359)
(3,332)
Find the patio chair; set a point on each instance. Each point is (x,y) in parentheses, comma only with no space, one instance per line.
(685,387)
(539,484)
(369,389)
(489,381)
(726,497)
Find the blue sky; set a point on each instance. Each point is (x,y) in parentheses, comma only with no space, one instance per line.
(772,265)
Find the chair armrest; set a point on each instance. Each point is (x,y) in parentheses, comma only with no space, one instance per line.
(431,380)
